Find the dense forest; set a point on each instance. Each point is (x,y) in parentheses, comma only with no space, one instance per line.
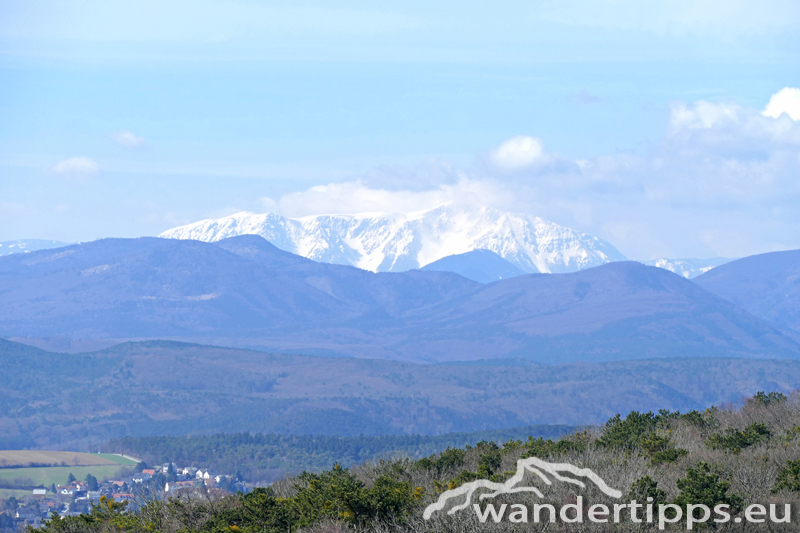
(266,457)
(729,457)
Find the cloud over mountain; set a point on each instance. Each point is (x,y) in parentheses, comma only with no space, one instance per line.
(720,182)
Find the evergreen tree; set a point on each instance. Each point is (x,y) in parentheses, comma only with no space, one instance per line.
(702,486)
(12,503)
(91,481)
(789,477)
(644,488)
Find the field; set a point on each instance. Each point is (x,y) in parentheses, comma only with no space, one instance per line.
(119,459)
(29,458)
(16,493)
(56,474)
(100,465)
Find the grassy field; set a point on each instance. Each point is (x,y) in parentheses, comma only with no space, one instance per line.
(7,493)
(58,474)
(22,458)
(125,461)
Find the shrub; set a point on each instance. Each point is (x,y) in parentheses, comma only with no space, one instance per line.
(735,441)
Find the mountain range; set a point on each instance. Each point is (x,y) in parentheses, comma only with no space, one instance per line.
(245,292)
(398,242)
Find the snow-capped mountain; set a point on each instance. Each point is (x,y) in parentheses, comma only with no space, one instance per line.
(398,242)
(688,268)
(28,245)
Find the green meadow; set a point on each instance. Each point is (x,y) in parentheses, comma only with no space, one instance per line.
(57,474)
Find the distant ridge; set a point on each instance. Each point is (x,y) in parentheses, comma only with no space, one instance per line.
(483,266)
(396,242)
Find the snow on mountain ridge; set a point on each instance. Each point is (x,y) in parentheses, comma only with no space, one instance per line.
(396,242)
(28,245)
(688,268)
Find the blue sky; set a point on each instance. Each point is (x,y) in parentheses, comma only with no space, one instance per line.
(646,118)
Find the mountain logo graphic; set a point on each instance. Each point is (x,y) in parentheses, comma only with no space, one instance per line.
(547,472)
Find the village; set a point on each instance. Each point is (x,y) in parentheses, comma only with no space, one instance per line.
(79,496)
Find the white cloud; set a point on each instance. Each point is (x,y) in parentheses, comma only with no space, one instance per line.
(735,130)
(358,197)
(787,100)
(77,166)
(702,115)
(127,139)
(518,153)
(721,182)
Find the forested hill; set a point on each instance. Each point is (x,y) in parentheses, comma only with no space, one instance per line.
(266,457)
(50,401)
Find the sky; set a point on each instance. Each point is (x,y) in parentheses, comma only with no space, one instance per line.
(670,128)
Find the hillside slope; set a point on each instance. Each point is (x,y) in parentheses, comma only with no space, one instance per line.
(483,266)
(766,285)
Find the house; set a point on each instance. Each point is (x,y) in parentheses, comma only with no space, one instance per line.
(149,471)
(205,474)
(66,491)
(189,471)
(165,467)
(94,495)
(117,483)
(176,486)
(122,496)
(141,478)
(39,493)
(24,513)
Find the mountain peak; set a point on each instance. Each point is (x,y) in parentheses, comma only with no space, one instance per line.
(396,242)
